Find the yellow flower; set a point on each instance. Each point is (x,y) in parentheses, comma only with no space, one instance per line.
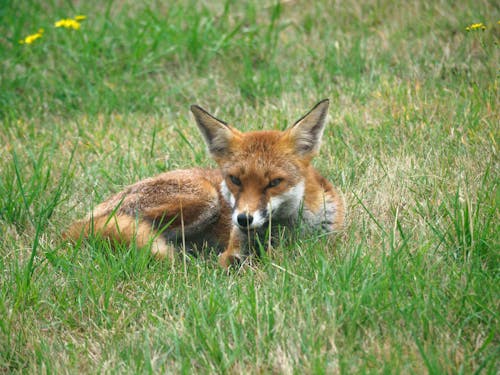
(476,26)
(31,38)
(68,23)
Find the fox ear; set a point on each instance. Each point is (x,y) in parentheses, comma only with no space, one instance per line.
(306,133)
(217,133)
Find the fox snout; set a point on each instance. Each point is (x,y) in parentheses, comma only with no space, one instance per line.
(247,220)
(244,220)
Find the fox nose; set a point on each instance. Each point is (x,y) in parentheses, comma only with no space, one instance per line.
(244,220)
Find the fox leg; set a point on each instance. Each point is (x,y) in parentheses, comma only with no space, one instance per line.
(144,234)
(232,254)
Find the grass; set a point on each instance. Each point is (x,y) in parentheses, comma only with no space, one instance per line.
(411,286)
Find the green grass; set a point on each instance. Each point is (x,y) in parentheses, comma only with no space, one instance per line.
(411,286)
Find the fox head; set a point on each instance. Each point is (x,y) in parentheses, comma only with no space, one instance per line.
(264,172)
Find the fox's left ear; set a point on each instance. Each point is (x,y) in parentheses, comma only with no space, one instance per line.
(306,133)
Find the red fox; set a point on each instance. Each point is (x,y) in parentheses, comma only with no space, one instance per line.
(264,181)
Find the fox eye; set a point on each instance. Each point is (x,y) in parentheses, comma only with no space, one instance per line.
(274,183)
(235,180)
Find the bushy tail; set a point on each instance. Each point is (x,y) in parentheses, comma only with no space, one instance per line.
(88,227)
(114,227)
(122,229)
(76,231)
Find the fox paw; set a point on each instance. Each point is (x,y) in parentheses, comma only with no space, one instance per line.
(227,260)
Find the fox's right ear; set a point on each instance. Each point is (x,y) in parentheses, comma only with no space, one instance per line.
(217,133)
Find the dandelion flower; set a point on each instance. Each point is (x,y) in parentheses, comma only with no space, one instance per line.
(31,38)
(68,23)
(476,26)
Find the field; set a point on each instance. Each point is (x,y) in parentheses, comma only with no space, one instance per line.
(411,286)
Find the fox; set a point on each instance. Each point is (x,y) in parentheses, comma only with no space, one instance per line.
(264,181)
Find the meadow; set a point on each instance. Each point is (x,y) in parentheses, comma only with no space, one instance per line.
(412,285)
